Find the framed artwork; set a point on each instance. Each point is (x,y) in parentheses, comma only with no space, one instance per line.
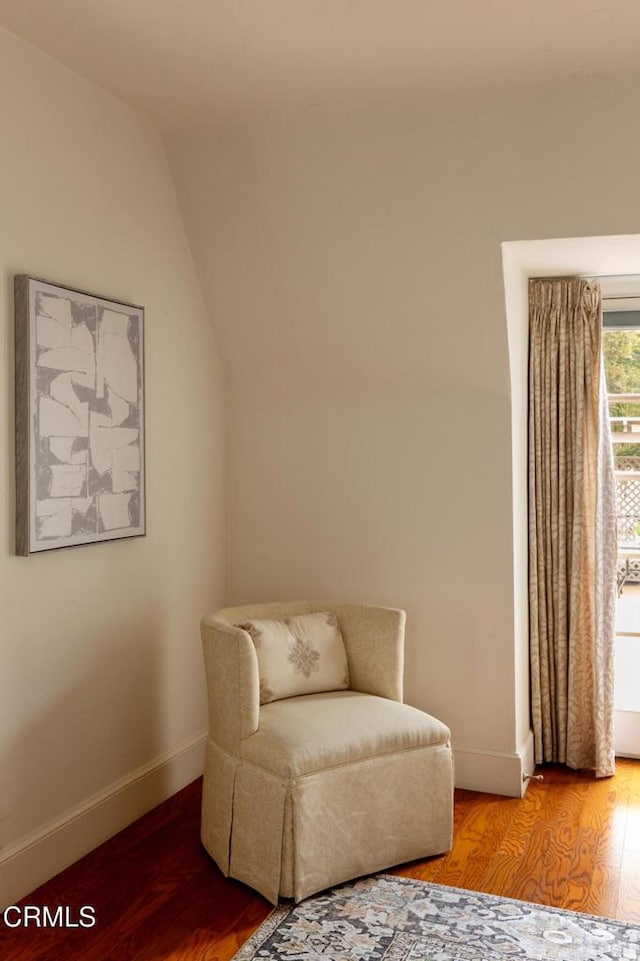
(80,472)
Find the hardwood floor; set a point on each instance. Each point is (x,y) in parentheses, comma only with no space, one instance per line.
(572,841)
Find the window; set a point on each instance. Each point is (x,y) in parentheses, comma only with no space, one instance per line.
(621,350)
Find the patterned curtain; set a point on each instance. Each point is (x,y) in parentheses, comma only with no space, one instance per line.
(572,528)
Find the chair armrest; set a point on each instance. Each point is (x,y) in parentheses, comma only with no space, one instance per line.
(374,639)
(233,687)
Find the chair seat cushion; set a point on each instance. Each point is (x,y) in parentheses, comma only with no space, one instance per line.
(301,735)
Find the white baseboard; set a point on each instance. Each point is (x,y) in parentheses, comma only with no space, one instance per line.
(493,772)
(627,726)
(528,755)
(50,849)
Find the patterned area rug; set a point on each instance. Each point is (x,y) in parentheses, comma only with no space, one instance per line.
(398,919)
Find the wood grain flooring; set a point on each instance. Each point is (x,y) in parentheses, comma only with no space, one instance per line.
(572,842)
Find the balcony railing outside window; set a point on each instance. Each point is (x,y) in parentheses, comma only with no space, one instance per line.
(625,431)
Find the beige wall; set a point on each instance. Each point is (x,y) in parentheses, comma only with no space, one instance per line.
(101,663)
(351,260)
(351,264)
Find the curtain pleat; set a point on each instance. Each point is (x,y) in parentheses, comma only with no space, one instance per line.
(572,535)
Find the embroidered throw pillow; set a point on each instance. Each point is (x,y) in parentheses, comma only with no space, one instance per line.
(299,655)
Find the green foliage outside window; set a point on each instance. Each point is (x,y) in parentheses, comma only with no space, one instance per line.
(621,349)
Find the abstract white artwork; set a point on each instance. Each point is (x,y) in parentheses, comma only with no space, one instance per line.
(79,418)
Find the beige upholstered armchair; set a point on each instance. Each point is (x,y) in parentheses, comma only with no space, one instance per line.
(306,790)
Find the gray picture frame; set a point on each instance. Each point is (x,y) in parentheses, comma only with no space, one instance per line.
(79,417)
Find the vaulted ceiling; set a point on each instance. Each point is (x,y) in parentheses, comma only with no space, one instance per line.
(181,61)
